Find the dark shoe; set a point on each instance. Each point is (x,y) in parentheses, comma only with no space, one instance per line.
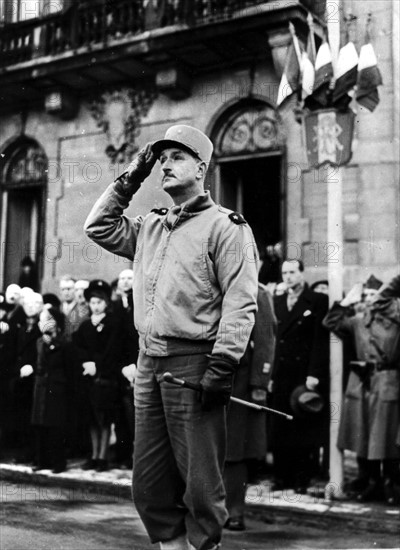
(392,492)
(235,524)
(301,489)
(281,485)
(358,485)
(374,492)
(90,464)
(102,465)
(58,468)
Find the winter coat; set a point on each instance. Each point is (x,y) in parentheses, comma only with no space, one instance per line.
(106,345)
(5,374)
(246,428)
(52,382)
(302,350)
(370,412)
(23,348)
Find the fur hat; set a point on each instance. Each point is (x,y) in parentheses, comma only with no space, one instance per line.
(98,289)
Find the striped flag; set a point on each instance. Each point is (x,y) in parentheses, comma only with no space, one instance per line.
(346,77)
(368,78)
(323,77)
(307,66)
(290,81)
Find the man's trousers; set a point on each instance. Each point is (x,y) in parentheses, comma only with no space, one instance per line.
(179,454)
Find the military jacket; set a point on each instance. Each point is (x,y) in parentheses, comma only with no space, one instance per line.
(195,280)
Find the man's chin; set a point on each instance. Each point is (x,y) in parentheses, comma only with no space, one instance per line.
(170,185)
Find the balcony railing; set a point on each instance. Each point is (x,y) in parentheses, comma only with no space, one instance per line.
(98,22)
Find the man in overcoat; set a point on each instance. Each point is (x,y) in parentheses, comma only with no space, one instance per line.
(247,441)
(195,296)
(370,416)
(301,358)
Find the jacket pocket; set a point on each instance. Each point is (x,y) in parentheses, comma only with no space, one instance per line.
(387,385)
(354,388)
(208,274)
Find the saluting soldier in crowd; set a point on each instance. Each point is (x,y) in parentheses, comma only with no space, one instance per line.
(370,416)
(195,293)
(301,359)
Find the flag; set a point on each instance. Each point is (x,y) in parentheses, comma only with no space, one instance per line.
(368,78)
(346,77)
(290,81)
(323,76)
(307,66)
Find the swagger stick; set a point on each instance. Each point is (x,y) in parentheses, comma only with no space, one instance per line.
(167,377)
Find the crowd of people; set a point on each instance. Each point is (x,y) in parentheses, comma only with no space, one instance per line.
(68,364)
(67,369)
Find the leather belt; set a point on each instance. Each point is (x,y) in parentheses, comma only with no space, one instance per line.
(372,365)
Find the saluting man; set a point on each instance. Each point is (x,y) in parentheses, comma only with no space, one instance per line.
(195,296)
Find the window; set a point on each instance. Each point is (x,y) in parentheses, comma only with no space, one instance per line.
(12,11)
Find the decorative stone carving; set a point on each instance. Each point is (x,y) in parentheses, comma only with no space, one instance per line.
(119,114)
(27,167)
(250,130)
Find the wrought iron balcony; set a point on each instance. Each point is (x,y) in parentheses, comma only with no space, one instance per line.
(100,42)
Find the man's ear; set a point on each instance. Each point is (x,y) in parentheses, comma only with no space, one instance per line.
(201,170)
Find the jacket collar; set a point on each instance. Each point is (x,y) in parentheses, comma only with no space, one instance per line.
(198,203)
(177,214)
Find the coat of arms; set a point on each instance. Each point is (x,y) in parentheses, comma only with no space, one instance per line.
(329,136)
(119,114)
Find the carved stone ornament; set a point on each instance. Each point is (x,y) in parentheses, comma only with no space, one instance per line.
(249,130)
(27,167)
(119,113)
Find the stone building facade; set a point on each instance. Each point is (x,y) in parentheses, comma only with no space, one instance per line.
(82,87)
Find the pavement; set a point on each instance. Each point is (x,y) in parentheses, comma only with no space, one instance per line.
(311,509)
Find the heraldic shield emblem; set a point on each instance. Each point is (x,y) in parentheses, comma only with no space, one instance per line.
(328,136)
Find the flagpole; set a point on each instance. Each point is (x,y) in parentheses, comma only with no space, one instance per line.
(334,489)
(295,43)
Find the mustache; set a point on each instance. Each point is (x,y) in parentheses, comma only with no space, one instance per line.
(168,175)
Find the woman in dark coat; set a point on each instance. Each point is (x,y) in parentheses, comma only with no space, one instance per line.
(53,372)
(24,333)
(5,363)
(246,428)
(100,341)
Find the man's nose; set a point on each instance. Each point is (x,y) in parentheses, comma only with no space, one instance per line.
(166,166)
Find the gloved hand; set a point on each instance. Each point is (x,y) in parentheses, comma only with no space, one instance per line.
(137,172)
(26,370)
(259,395)
(129,372)
(217,383)
(89,367)
(311,383)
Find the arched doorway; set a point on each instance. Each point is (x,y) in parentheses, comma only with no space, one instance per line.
(23,187)
(248,174)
